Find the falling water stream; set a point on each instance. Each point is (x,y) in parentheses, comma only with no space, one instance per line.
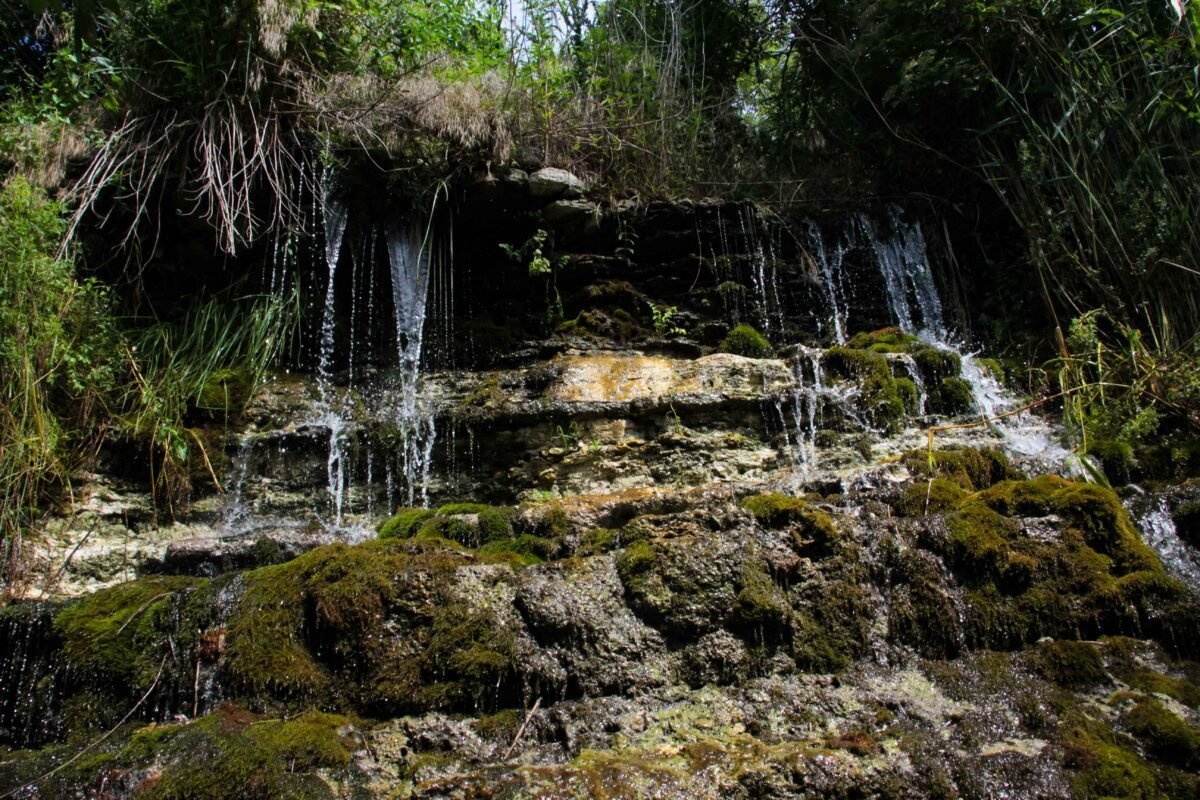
(409,254)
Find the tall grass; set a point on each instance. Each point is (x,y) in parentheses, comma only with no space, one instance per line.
(1105,174)
(209,362)
(57,346)
(73,376)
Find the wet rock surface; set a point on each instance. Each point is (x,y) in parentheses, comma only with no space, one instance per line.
(636,565)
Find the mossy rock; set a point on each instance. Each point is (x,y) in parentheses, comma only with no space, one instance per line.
(971,469)
(936,364)
(1074,665)
(761,610)
(1094,577)
(830,623)
(121,642)
(934,496)
(884,340)
(226,753)
(526,548)
(226,390)
(368,625)
(811,528)
(680,586)
(1116,460)
(404,523)
(908,394)
(1166,736)
(953,397)
(921,611)
(1187,523)
(744,340)
(1103,766)
(881,401)
(1094,510)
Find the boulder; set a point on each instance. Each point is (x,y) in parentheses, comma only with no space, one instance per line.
(551,183)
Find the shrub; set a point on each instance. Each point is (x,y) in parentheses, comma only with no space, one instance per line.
(745,341)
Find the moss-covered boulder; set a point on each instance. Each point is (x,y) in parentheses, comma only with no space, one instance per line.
(880,400)
(1093,576)
(970,468)
(744,340)
(228,753)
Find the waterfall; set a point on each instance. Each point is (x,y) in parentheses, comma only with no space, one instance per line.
(409,254)
(830,266)
(807,400)
(1158,530)
(904,265)
(764,274)
(235,514)
(334,217)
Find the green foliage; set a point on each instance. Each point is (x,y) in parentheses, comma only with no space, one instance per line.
(663,316)
(744,340)
(1073,125)
(58,359)
(1124,397)
(212,359)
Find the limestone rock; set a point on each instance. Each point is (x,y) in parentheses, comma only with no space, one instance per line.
(550,183)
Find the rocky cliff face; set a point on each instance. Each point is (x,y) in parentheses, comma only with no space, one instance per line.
(697,508)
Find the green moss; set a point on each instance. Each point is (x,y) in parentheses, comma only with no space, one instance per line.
(263,759)
(830,623)
(978,543)
(878,396)
(954,397)
(811,527)
(908,394)
(761,609)
(971,469)
(744,340)
(469,661)
(992,367)
(404,523)
(117,638)
(1093,577)
(491,523)
(1075,665)
(1092,509)
(1103,767)
(1165,735)
(929,497)
(884,340)
(226,390)
(501,726)
(1147,680)
(1187,523)
(227,753)
(936,364)
(1116,460)
(527,548)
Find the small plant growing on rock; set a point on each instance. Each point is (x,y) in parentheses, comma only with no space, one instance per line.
(662,320)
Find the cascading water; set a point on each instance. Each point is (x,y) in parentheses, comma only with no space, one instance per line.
(829,263)
(1157,525)
(409,254)
(904,265)
(331,414)
(913,299)
(764,274)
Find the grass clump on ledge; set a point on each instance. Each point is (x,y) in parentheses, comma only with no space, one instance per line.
(744,340)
